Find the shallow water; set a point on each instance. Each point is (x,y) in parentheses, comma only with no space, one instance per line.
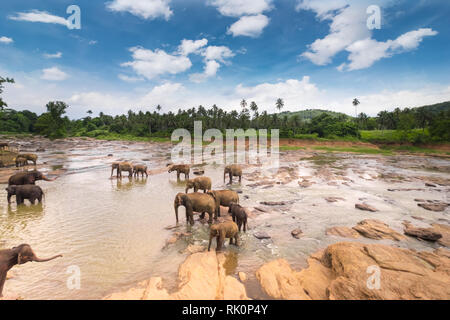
(114,230)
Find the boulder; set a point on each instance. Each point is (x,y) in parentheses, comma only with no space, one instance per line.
(444,230)
(296,233)
(344,232)
(375,229)
(428,234)
(334,199)
(201,276)
(261,235)
(341,272)
(242,276)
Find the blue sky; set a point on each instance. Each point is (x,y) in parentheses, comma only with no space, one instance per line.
(183,53)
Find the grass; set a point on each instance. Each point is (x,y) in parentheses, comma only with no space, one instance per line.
(291,148)
(362,150)
(414,149)
(129,137)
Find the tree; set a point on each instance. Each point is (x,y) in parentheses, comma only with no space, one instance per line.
(279,104)
(158,108)
(51,124)
(355,104)
(2,81)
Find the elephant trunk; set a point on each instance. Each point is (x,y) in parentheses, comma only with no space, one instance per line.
(176,211)
(36,259)
(47,179)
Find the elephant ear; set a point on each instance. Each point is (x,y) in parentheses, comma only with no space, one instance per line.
(19,258)
(213,194)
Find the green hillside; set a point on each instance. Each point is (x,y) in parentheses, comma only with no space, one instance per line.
(307,115)
(436,108)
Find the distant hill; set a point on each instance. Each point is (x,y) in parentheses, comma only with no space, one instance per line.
(436,108)
(307,115)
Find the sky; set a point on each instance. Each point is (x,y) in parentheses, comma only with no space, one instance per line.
(136,54)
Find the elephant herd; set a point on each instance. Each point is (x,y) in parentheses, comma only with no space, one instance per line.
(210,202)
(22,185)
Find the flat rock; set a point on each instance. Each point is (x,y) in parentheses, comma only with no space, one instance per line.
(375,229)
(365,207)
(428,234)
(340,272)
(242,276)
(428,184)
(261,235)
(436,207)
(344,232)
(444,230)
(334,199)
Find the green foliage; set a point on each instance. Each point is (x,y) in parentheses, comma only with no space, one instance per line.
(51,124)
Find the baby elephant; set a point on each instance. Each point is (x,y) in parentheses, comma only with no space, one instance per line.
(200,183)
(181,168)
(221,231)
(140,169)
(239,215)
(21,162)
(22,192)
(29,156)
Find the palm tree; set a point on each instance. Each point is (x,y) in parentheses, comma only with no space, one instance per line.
(355,104)
(279,104)
(158,108)
(243,104)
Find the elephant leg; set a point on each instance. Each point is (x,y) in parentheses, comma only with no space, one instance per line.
(2,281)
(202,216)
(240,179)
(40,198)
(219,243)
(236,243)
(245,225)
(240,225)
(178,175)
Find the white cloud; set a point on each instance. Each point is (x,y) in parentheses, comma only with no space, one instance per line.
(53,74)
(210,70)
(6,40)
(150,64)
(237,8)
(219,53)
(56,55)
(252,22)
(126,78)
(365,53)
(250,26)
(190,46)
(167,94)
(38,16)
(349,31)
(146,9)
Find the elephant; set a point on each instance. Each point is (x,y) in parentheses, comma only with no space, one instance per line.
(21,162)
(122,166)
(17,255)
(221,231)
(29,177)
(4,145)
(233,170)
(140,168)
(29,156)
(224,198)
(22,192)
(239,216)
(200,183)
(181,168)
(198,202)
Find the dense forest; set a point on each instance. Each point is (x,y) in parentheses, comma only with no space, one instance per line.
(416,125)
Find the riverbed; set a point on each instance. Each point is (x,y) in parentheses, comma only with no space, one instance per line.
(115,231)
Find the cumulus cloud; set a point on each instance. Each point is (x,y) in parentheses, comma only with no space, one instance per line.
(219,53)
(150,64)
(56,55)
(237,8)
(53,74)
(38,16)
(210,70)
(365,53)
(146,9)
(349,32)
(190,46)
(250,26)
(6,40)
(252,22)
